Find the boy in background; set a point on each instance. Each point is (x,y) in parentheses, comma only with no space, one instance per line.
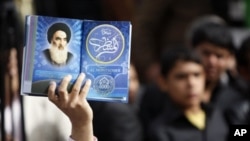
(184,116)
(213,41)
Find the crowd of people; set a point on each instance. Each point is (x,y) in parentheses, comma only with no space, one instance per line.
(188,79)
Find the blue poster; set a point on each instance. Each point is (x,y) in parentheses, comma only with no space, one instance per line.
(56,47)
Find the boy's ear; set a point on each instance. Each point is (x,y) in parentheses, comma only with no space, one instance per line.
(162,83)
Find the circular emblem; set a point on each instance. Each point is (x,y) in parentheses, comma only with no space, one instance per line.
(104,84)
(105,44)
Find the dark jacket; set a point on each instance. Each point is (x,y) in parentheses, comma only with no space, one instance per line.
(115,122)
(173,125)
(232,99)
(228,98)
(151,105)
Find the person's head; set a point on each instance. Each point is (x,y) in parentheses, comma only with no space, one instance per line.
(214,42)
(182,76)
(211,18)
(58,36)
(243,59)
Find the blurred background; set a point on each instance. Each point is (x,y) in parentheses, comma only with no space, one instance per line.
(156,25)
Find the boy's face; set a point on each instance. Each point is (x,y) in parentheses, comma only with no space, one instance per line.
(185,83)
(215,60)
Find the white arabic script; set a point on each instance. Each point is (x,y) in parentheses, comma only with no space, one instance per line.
(104,45)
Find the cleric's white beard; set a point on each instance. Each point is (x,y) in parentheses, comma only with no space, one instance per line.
(58,56)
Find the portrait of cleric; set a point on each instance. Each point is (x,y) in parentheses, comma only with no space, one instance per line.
(58,36)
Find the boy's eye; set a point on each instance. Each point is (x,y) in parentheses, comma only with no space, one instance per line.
(197,74)
(206,53)
(180,76)
(219,56)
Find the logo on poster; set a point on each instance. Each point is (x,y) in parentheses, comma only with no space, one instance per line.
(104,84)
(105,44)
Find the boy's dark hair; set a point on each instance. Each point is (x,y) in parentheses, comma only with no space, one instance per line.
(243,53)
(174,54)
(215,33)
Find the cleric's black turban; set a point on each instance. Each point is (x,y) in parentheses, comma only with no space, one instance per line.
(58,26)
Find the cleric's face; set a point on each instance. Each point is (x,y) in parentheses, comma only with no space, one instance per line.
(58,48)
(59,40)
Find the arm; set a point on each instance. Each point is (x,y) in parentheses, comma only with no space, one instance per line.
(75,106)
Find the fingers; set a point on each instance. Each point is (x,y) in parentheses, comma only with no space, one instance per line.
(85,89)
(62,90)
(51,92)
(77,86)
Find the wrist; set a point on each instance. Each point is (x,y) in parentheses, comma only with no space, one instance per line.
(82,132)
